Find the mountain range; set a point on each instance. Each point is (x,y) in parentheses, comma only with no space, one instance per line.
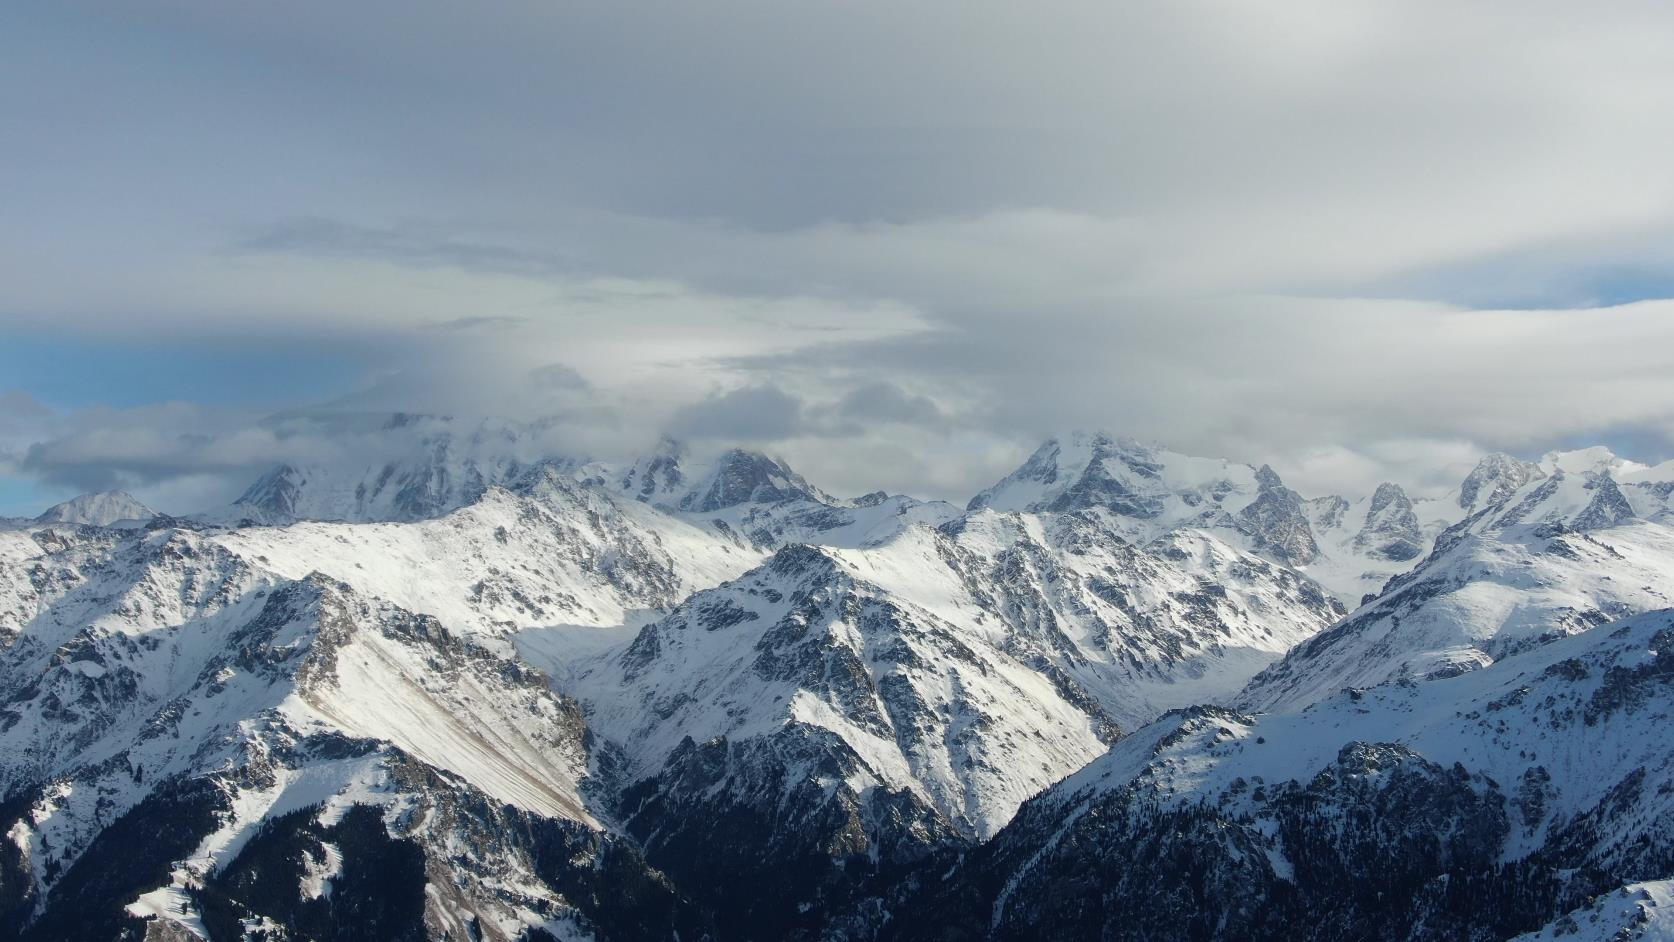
(478,688)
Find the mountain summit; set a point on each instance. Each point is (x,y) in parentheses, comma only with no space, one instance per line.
(101,509)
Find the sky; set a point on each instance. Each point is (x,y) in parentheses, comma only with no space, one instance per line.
(896,244)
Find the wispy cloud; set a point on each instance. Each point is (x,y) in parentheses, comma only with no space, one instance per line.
(896,245)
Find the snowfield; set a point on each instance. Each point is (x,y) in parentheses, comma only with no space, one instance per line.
(484,690)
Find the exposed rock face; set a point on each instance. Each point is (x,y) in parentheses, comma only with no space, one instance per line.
(1212,824)
(1607,508)
(504,695)
(1158,491)
(741,477)
(1391,530)
(1276,523)
(1494,479)
(275,495)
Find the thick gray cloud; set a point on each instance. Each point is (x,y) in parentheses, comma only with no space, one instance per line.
(898,244)
(882,401)
(755,414)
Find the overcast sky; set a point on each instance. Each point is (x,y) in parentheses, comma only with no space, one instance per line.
(897,244)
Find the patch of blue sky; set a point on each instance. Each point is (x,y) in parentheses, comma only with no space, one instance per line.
(67,374)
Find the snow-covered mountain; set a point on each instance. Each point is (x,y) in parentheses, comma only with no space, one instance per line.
(1351,546)
(100,509)
(752,497)
(477,688)
(394,466)
(190,738)
(1363,543)
(1556,554)
(1638,912)
(1477,806)
(1154,490)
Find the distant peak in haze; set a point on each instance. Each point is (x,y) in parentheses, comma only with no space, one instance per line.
(100,509)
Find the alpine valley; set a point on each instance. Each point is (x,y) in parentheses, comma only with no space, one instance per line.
(479,689)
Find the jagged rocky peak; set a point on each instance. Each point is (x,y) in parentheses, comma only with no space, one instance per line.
(274,495)
(100,509)
(1277,522)
(747,477)
(1078,471)
(804,713)
(1392,530)
(666,478)
(1496,478)
(1476,807)
(1554,558)
(411,467)
(657,475)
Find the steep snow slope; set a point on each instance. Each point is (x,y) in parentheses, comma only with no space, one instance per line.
(173,687)
(798,731)
(750,497)
(1363,543)
(552,552)
(1638,912)
(1143,629)
(100,509)
(1153,490)
(421,466)
(1476,806)
(1545,560)
(924,705)
(888,701)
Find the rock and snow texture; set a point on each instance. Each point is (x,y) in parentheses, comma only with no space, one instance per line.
(1364,543)
(929,684)
(101,509)
(170,684)
(1154,491)
(1558,554)
(477,689)
(916,703)
(1350,546)
(1477,806)
(1638,912)
(422,466)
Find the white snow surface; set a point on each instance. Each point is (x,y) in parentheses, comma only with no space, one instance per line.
(1574,707)
(1488,592)
(972,658)
(1638,912)
(101,509)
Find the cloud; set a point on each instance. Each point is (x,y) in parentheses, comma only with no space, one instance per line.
(758,413)
(887,402)
(1356,240)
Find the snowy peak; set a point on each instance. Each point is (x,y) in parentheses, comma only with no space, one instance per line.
(805,648)
(274,495)
(1550,564)
(410,467)
(1079,471)
(747,477)
(1495,478)
(101,509)
(664,478)
(1592,462)
(1392,530)
(657,476)
(1541,783)
(1159,490)
(1580,500)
